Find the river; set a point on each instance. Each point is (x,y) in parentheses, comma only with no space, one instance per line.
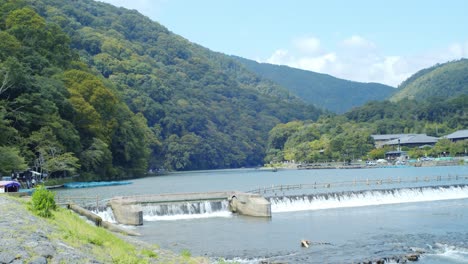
(350,215)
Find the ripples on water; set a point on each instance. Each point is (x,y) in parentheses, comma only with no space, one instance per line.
(360,225)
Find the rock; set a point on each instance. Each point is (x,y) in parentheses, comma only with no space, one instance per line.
(38,260)
(305,243)
(45,250)
(6,258)
(412,257)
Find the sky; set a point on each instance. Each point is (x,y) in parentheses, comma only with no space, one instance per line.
(359,40)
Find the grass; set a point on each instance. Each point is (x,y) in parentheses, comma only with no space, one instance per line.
(185,253)
(102,244)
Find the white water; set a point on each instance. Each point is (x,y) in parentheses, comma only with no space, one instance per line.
(366,198)
(106,215)
(447,253)
(187,210)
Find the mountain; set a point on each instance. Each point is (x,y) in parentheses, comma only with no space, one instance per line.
(321,90)
(442,80)
(115,93)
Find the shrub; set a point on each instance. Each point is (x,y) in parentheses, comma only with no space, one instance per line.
(43,202)
(186,253)
(149,253)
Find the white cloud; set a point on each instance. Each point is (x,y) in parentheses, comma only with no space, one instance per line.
(358,59)
(317,63)
(308,45)
(356,41)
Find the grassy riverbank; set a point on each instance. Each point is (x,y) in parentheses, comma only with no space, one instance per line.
(69,238)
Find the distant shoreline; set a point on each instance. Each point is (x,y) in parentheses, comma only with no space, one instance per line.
(462,161)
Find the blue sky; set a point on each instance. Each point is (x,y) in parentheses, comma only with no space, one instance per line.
(361,40)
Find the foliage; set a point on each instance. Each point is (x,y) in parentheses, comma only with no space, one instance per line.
(185,253)
(11,160)
(106,93)
(56,111)
(328,139)
(322,90)
(347,137)
(434,116)
(43,202)
(441,80)
(149,253)
(117,93)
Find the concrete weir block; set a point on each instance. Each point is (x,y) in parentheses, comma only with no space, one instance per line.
(127,214)
(250,204)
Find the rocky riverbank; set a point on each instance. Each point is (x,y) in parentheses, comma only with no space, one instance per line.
(26,238)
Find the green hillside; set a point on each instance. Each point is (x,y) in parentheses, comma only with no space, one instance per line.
(442,80)
(89,88)
(348,137)
(321,90)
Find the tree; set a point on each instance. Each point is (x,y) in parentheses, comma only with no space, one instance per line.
(66,162)
(11,160)
(97,158)
(9,46)
(442,147)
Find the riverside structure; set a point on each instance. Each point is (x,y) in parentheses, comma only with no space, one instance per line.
(128,210)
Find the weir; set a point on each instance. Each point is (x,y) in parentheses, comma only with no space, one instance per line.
(131,210)
(374,197)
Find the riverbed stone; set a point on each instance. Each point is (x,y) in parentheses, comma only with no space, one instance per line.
(24,238)
(38,260)
(45,250)
(6,258)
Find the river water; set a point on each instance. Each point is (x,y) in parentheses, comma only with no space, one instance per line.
(350,215)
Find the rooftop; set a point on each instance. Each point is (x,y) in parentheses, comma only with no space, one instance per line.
(387,137)
(458,134)
(413,139)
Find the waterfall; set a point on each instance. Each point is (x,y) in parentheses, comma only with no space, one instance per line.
(366,198)
(186,210)
(105,213)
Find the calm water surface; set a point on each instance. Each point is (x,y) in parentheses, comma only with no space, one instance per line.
(391,223)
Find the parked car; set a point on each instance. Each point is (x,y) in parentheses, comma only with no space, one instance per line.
(427,158)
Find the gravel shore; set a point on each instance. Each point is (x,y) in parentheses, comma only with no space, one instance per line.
(25,238)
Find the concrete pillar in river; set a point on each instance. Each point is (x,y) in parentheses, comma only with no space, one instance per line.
(250,204)
(127,214)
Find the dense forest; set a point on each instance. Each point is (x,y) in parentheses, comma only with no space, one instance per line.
(56,114)
(348,136)
(107,93)
(322,90)
(439,107)
(442,80)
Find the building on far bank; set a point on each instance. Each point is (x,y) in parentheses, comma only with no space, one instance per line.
(413,141)
(380,140)
(407,140)
(458,135)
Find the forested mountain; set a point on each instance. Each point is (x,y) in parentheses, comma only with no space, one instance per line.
(321,90)
(348,136)
(440,109)
(442,80)
(89,87)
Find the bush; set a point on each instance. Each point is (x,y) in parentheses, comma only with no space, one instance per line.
(186,253)
(43,202)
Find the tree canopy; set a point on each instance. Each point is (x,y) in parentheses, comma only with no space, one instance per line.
(104,92)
